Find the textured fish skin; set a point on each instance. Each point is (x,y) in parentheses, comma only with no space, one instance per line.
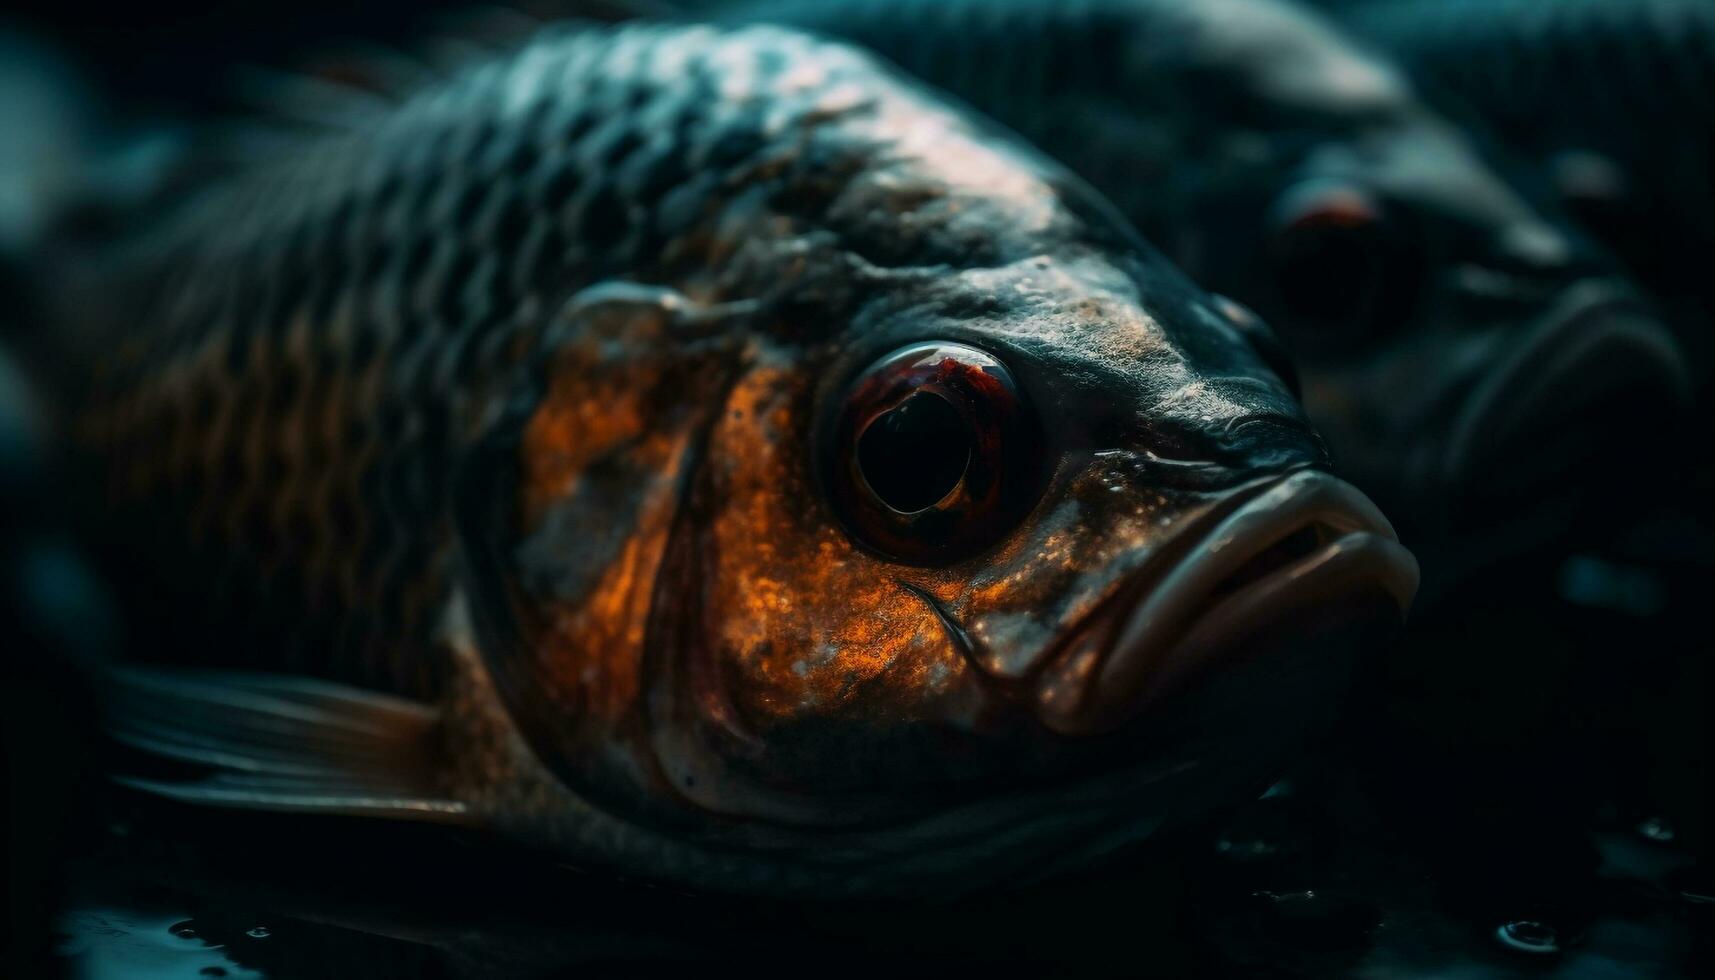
(1114,87)
(1207,123)
(514,399)
(325,332)
(1631,83)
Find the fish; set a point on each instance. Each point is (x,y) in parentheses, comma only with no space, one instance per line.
(1611,100)
(1467,352)
(701,454)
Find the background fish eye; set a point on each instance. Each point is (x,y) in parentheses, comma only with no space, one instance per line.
(1340,264)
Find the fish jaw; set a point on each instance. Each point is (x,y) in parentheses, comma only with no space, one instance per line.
(1303,544)
(1594,373)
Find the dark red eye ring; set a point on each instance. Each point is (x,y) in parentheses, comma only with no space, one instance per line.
(1340,264)
(935,453)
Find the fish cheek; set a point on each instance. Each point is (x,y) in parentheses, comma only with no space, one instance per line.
(808,631)
(1101,520)
(566,514)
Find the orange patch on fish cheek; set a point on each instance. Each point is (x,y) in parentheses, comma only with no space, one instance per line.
(1074,558)
(597,644)
(594,411)
(584,416)
(809,624)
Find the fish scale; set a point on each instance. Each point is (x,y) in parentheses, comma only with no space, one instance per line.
(387,276)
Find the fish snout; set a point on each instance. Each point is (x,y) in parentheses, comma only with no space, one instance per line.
(1596,379)
(1272,568)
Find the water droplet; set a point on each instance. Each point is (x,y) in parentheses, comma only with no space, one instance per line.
(1246,850)
(183,930)
(258,932)
(1529,936)
(1657,829)
(1269,832)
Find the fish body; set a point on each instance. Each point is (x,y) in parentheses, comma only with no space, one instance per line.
(1462,346)
(701,452)
(1614,100)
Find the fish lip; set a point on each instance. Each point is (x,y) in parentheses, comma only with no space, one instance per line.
(1597,354)
(1189,609)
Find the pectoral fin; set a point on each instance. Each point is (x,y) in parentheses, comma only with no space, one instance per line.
(265,742)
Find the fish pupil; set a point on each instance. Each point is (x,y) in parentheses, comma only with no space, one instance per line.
(1330,274)
(914,454)
(1341,263)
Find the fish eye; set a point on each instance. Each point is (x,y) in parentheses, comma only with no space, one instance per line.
(935,453)
(1337,264)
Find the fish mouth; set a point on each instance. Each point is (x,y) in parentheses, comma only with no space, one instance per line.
(1596,376)
(1257,572)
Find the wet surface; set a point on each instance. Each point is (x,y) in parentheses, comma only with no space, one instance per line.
(1298,884)
(143,943)
(1518,790)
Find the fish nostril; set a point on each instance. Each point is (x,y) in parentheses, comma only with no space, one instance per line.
(1263,341)
(1198,449)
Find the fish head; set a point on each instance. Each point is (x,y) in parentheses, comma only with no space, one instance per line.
(937,518)
(1007,536)
(1469,355)
(1016,511)
(1469,358)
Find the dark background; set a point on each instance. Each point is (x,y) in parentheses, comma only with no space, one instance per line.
(1537,756)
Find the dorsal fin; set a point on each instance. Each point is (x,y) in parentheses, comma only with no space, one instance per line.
(308,98)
